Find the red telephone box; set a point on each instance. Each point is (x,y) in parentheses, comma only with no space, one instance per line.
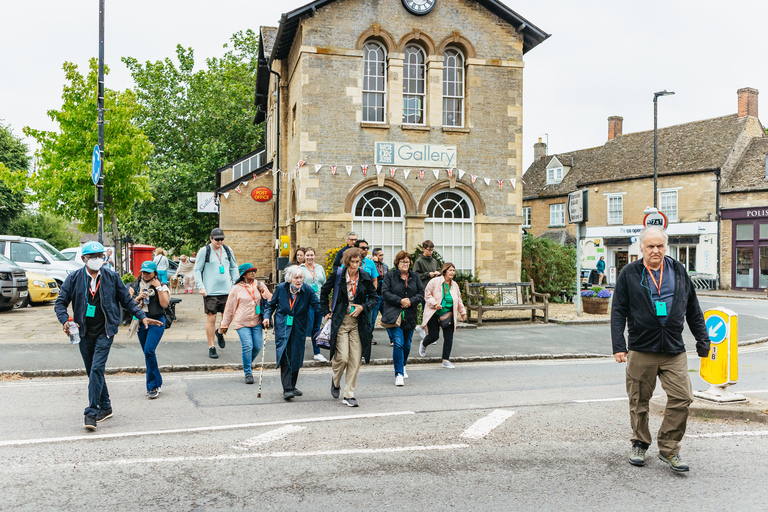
(140,254)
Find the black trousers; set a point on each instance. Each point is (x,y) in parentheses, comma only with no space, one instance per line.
(433,328)
(287,377)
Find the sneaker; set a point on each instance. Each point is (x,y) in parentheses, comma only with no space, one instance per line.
(220,337)
(422,348)
(320,358)
(249,379)
(420,330)
(675,463)
(212,353)
(297,392)
(334,390)
(399,380)
(103,414)
(90,422)
(351,402)
(153,393)
(637,457)
(405,373)
(448,364)
(288,394)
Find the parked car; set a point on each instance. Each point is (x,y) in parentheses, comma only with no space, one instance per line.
(42,290)
(13,284)
(38,256)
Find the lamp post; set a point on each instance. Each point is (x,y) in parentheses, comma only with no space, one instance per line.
(656,144)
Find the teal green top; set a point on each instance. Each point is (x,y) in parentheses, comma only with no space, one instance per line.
(447,304)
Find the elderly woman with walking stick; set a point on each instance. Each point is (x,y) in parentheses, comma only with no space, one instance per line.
(442,307)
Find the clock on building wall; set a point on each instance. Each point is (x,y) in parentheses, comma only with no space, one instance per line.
(419,7)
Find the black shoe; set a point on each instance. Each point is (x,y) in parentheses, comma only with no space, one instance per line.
(212,353)
(153,393)
(89,422)
(103,414)
(249,379)
(287,395)
(351,402)
(373,343)
(297,392)
(220,337)
(334,390)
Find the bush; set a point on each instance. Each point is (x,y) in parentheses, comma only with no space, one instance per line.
(419,250)
(551,266)
(330,257)
(128,279)
(51,228)
(596,291)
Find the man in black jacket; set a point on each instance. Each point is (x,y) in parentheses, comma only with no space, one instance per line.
(653,298)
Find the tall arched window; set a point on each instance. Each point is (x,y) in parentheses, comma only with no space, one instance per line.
(453,88)
(414,85)
(378,218)
(374,82)
(450,225)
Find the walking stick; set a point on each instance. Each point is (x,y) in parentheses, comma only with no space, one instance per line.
(261,372)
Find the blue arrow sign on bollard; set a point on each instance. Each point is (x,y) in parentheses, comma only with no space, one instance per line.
(717,329)
(96,165)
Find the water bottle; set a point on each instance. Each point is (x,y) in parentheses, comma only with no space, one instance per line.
(74,332)
(146,298)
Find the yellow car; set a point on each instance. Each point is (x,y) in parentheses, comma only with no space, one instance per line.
(42,289)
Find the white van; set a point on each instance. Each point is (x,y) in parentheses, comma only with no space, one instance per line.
(38,256)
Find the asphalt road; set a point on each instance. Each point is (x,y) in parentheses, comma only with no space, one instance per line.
(537,435)
(753,314)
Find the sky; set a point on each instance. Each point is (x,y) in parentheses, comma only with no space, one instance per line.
(604,57)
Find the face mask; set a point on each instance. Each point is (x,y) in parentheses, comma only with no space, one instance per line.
(94,264)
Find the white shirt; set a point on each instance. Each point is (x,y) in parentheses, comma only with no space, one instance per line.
(93,280)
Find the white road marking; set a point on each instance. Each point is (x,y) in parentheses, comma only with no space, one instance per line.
(601,400)
(268,437)
(730,434)
(360,451)
(21,442)
(751,391)
(483,426)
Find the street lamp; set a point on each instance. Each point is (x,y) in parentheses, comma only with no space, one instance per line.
(656,144)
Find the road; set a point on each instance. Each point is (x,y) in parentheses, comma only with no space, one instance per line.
(537,435)
(753,314)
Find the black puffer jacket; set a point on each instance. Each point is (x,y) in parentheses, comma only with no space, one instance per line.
(393,291)
(633,307)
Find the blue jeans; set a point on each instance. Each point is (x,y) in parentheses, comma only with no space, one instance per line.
(314,326)
(95,352)
(402,347)
(149,339)
(252,341)
(375,312)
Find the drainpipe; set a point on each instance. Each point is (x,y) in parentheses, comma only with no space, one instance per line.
(276,167)
(717,218)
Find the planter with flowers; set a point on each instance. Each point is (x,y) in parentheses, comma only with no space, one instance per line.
(596,300)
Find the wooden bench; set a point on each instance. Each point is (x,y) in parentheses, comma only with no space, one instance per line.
(483,297)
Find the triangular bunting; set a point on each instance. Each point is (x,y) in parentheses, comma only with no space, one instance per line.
(421,174)
(514,181)
(300,164)
(237,189)
(450,173)
(226,195)
(474,178)
(378,170)
(406,172)
(501,182)
(392,171)
(349,169)
(365,169)
(244,184)
(461,174)
(317,167)
(333,170)
(436,172)
(487,181)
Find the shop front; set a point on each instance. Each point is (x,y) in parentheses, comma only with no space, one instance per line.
(749,243)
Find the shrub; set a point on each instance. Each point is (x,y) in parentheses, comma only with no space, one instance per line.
(551,266)
(128,279)
(596,291)
(419,250)
(330,256)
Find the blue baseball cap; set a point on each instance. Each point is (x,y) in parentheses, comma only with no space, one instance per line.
(92,248)
(149,266)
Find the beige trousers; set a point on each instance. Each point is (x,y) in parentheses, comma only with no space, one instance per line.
(672,370)
(349,351)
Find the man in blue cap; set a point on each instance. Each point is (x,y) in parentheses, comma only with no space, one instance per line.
(96,294)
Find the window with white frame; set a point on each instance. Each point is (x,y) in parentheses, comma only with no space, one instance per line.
(526,216)
(374,82)
(615,209)
(557,214)
(554,175)
(453,88)
(378,218)
(668,204)
(414,85)
(450,225)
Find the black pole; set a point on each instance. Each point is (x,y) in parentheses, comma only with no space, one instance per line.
(655,151)
(100,186)
(717,218)
(276,168)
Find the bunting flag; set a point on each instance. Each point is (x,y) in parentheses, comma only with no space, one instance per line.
(474,178)
(450,173)
(487,181)
(406,172)
(226,195)
(255,177)
(237,189)
(501,182)
(244,184)
(378,170)
(421,174)
(436,172)
(461,174)
(392,171)
(365,169)
(300,164)
(513,180)
(349,170)
(317,168)
(333,169)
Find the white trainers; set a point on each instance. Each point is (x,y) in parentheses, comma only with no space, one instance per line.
(405,373)
(422,349)
(399,380)
(320,358)
(420,330)
(448,364)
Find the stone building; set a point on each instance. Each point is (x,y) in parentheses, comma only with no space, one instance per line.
(702,166)
(400,125)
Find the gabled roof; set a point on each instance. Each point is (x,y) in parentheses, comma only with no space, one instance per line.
(685,148)
(267,37)
(749,173)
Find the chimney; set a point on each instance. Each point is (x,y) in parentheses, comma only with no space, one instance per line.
(614,126)
(747,102)
(539,150)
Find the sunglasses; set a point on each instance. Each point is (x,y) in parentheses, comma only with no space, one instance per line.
(362,248)
(219,239)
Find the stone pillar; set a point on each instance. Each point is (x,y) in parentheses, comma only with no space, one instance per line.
(395,89)
(434,91)
(414,230)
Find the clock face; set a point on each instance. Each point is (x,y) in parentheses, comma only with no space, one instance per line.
(419,6)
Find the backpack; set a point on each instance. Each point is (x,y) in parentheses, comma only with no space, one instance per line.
(170,315)
(208,256)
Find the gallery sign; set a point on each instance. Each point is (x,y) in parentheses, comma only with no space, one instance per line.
(206,203)
(405,154)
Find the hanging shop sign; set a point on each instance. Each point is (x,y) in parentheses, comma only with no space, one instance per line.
(261,194)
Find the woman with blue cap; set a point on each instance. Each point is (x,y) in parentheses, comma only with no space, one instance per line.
(152,296)
(243,312)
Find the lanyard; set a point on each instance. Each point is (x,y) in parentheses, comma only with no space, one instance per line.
(88,287)
(253,287)
(406,281)
(218,254)
(661,276)
(291,302)
(353,285)
(446,290)
(380,268)
(312,271)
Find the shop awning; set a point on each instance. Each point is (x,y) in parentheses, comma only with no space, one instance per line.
(617,240)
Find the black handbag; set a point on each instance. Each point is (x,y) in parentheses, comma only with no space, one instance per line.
(446,320)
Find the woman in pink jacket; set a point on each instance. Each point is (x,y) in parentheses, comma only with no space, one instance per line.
(442,306)
(243,313)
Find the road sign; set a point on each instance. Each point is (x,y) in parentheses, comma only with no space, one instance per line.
(721,366)
(578,206)
(717,329)
(655,219)
(96,165)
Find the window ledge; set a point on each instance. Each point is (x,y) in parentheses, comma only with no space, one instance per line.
(455,129)
(527,227)
(416,127)
(364,124)
(557,225)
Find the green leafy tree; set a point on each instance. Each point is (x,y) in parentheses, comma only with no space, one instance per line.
(551,266)
(62,184)
(197,121)
(13,158)
(51,228)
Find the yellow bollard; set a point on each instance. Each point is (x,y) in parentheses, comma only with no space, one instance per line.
(720,368)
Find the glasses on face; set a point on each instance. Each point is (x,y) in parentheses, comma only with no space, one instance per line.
(219,239)
(363,247)
(93,256)
(404,262)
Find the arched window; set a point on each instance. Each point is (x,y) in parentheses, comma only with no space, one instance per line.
(450,225)
(378,218)
(374,82)
(453,88)
(414,85)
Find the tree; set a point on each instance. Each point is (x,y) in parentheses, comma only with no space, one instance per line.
(13,157)
(62,184)
(551,266)
(197,121)
(51,228)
